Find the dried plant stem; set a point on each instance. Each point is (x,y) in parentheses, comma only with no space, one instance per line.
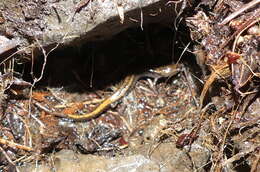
(15,145)
(241,10)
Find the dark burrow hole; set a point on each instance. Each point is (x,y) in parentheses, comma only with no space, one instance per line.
(94,65)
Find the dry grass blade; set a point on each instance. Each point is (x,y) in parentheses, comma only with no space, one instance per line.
(220,70)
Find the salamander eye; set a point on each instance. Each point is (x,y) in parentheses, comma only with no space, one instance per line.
(141,132)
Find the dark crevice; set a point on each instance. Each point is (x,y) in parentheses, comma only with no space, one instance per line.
(94,65)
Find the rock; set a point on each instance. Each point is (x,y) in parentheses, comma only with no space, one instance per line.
(164,158)
(66,160)
(64,22)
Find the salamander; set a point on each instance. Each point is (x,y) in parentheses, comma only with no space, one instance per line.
(127,84)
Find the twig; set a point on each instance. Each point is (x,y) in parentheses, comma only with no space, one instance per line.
(241,10)
(242,27)
(23,49)
(6,156)
(255,163)
(15,145)
(239,155)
